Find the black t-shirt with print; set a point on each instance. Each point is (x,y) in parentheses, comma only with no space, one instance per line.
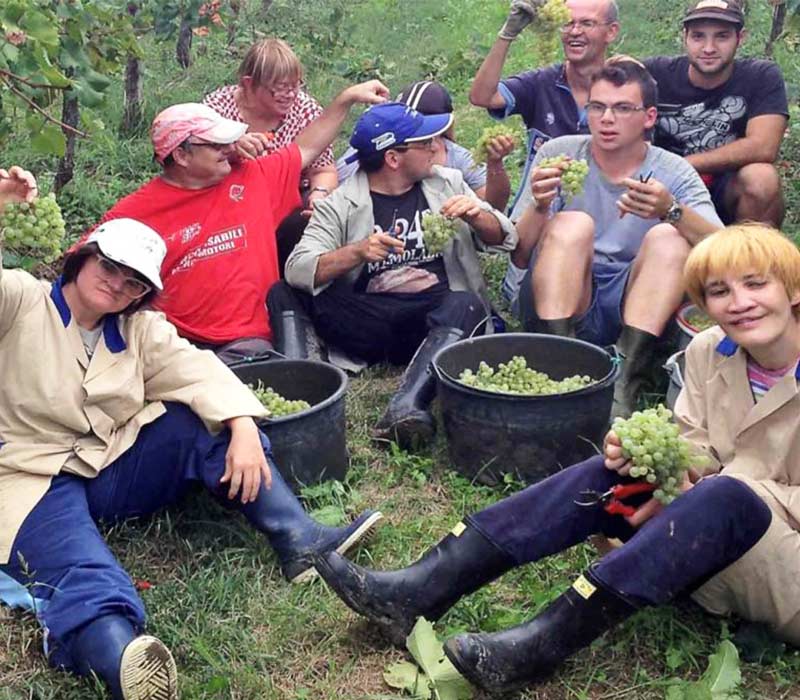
(403,214)
(695,120)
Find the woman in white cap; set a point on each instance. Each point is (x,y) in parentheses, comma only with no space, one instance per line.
(111,415)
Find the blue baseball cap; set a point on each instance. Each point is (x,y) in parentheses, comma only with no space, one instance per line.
(393,123)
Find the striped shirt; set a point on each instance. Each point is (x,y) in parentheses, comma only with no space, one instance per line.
(763,379)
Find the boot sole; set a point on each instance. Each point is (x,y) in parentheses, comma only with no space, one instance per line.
(147,671)
(362,534)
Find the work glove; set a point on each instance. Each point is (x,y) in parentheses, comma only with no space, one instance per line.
(520,16)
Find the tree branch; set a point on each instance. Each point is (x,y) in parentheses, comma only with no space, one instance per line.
(27,82)
(37,108)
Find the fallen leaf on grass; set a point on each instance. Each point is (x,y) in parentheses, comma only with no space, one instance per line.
(406,676)
(719,682)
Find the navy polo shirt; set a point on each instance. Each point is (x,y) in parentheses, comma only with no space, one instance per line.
(544,100)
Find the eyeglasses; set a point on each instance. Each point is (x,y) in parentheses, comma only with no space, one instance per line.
(131,287)
(283,90)
(623,110)
(208,144)
(585,25)
(425,145)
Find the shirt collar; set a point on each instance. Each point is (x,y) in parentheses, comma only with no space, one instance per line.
(111,333)
(728,348)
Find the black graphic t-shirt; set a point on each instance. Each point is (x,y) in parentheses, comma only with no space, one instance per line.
(402,214)
(694,120)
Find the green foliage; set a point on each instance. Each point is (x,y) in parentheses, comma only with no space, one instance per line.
(721,680)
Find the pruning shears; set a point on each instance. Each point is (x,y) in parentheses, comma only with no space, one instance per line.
(612,499)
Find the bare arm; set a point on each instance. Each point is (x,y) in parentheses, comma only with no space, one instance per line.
(483,92)
(760,144)
(318,135)
(483,223)
(544,188)
(339,262)
(498,184)
(322,181)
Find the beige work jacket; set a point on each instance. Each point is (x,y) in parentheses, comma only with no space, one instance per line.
(59,410)
(758,443)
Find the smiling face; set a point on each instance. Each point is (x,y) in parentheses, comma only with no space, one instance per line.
(588,36)
(711,48)
(753,308)
(208,163)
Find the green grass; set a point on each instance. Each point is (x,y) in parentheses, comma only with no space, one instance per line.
(237,629)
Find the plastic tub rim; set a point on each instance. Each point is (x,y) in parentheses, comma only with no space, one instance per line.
(683,323)
(335,396)
(453,383)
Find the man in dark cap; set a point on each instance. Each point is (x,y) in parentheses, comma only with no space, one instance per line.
(725,115)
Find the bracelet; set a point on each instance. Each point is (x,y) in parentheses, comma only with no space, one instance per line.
(321,189)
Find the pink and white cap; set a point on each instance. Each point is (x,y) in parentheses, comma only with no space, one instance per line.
(175,124)
(133,244)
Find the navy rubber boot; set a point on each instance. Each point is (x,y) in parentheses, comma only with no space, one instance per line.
(296,537)
(135,667)
(460,564)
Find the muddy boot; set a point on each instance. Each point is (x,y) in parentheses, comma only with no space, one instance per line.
(458,565)
(508,660)
(564,327)
(407,419)
(636,348)
(134,667)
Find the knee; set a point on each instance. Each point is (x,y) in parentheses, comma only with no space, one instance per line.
(731,498)
(571,229)
(759,181)
(665,244)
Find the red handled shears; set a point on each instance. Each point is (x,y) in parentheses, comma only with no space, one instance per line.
(612,499)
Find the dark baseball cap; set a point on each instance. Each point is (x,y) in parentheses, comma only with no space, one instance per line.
(427,97)
(722,10)
(391,124)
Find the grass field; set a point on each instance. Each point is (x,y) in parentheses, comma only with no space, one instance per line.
(237,629)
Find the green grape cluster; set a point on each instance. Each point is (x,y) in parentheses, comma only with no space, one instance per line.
(572,176)
(437,230)
(700,320)
(515,377)
(35,228)
(658,453)
(277,405)
(481,151)
(553,14)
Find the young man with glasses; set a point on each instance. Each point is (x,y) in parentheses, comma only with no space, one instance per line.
(606,265)
(364,276)
(726,116)
(218,218)
(550,100)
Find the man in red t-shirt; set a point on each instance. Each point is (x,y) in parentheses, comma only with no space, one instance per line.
(218,218)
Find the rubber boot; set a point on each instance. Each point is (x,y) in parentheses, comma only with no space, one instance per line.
(294,336)
(407,419)
(134,667)
(564,327)
(506,661)
(636,348)
(296,537)
(458,565)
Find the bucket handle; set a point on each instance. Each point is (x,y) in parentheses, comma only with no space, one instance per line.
(616,361)
(673,368)
(266,355)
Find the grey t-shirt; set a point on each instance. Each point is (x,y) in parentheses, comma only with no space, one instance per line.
(458,158)
(618,240)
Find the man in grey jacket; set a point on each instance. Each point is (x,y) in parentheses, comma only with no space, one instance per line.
(362,274)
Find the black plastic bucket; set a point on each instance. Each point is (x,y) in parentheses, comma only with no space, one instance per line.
(491,434)
(309,446)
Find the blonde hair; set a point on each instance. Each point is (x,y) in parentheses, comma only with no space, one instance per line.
(740,249)
(269,62)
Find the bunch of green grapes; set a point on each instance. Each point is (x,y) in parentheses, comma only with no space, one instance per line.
(699,319)
(572,176)
(553,15)
(658,453)
(276,404)
(481,151)
(437,230)
(515,377)
(35,228)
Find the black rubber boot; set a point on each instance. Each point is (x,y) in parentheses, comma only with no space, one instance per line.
(458,565)
(506,661)
(407,419)
(294,336)
(296,537)
(636,348)
(134,667)
(565,327)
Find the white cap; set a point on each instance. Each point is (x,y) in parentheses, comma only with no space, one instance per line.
(133,244)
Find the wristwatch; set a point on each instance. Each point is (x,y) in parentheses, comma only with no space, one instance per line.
(674,213)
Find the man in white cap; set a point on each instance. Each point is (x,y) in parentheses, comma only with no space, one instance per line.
(364,275)
(218,218)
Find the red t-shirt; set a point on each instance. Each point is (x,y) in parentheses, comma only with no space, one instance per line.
(221,254)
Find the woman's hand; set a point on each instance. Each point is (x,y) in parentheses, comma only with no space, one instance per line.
(245,461)
(17,185)
(612,451)
(497,149)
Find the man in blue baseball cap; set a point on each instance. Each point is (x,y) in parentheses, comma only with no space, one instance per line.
(363,276)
